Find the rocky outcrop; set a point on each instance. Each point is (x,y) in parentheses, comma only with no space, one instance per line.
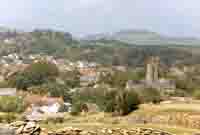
(32,128)
(26,128)
(138,131)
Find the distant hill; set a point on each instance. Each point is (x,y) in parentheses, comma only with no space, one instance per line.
(144,37)
(38,41)
(128,47)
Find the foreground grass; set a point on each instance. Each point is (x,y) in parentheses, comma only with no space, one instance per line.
(101,120)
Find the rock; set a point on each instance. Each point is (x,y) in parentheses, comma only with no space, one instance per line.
(17,123)
(32,128)
(26,128)
(19,130)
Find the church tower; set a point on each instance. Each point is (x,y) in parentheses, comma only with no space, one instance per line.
(152,69)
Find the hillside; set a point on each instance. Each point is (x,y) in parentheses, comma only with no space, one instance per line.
(38,41)
(144,37)
(105,51)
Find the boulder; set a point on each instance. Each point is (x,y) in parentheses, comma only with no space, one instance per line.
(26,128)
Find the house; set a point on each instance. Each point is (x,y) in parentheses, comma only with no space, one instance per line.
(38,106)
(8,91)
(38,100)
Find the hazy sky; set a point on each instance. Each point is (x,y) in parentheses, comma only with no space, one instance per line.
(170,17)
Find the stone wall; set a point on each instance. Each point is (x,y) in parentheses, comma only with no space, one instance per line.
(32,128)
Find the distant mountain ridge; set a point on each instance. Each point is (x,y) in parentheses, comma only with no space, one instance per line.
(143,37)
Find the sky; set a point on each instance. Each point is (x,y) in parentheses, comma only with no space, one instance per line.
(81,17)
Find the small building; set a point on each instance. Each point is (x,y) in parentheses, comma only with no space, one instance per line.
(8,91)
(39,106)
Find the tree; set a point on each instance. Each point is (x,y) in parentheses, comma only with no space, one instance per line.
(36,74)
(117,100)
(120,78)
(126,102)
(58,90)
(71,78)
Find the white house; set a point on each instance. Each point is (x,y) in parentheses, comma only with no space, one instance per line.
(8,91)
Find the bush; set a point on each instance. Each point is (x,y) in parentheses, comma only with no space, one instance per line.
(7,118)
(4,84)
(120,101)
(36,74)
(11,104)
(196,94)
(126,102)
(76,109)
(149,95)
(71,78)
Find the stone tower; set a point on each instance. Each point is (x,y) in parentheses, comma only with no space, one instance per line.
(152,67)
(149,72)
(156,63)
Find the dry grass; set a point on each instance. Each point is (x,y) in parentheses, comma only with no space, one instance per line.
(104,120)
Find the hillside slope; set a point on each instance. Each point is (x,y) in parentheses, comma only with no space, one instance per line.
(144,37)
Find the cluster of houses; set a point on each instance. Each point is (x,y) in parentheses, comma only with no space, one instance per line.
(40,105)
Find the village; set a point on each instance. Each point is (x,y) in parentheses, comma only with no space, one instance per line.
(45,108)
(89,76)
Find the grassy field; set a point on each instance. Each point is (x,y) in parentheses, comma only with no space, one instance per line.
(103,120)
(93,126)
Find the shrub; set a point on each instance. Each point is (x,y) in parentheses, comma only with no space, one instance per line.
(126,102)
(11,104)
(76,109)
(71,78)
(7,118)
(149,95)
(120,101)
(196,94)
(36,74)
(4,84)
